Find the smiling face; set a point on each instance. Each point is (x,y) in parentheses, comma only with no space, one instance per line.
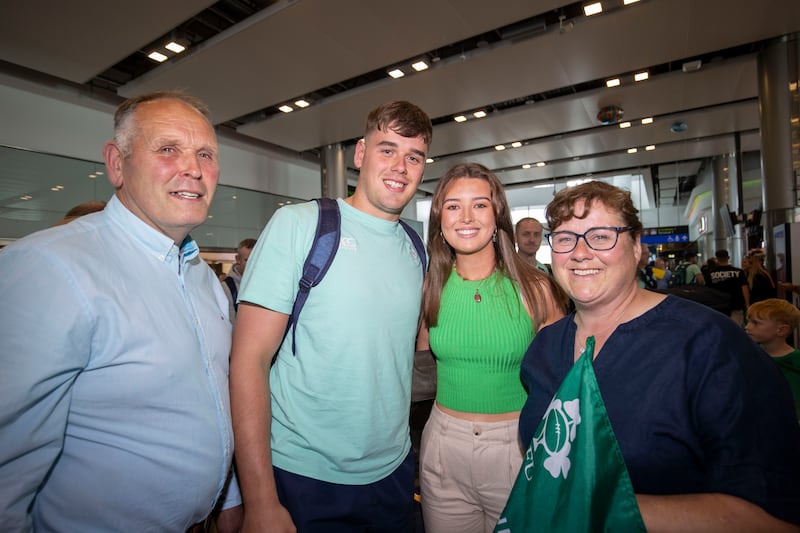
(169,174)
(593,278)
(391,168)
(468,221)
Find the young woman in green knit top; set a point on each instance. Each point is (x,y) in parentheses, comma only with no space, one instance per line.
(482,305)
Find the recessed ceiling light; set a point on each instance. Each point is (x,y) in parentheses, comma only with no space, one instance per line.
(648,120)
(516,144)
(210,216)
(286,108)
(641,76)
(157,56)
(396,73)
(419,66)
(628,2)
(650,147)
(632,150)
(593,9)
(460,118)
(26,197)
(613,82)
(500,147)
(541,164)
(234,197)
(479,114)
(92,176)
(54,189)
(429,160)
(302,103)
(172,46)
(624,125)
(526,165)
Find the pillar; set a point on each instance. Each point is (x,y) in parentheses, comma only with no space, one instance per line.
(334,171)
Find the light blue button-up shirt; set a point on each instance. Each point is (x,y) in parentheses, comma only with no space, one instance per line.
(114,406)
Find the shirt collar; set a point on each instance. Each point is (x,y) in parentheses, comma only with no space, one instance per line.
(156,243)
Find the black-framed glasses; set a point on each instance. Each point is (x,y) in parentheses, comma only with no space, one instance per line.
(600,239)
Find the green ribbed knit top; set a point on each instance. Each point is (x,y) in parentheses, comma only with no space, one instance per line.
(479,345)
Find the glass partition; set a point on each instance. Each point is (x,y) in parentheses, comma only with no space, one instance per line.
(37,189)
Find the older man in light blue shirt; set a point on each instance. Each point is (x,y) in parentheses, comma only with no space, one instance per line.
(115,339)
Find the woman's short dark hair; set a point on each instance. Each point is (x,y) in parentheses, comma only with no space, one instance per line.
(562,207)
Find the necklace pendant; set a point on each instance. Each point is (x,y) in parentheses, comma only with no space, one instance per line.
(477,296)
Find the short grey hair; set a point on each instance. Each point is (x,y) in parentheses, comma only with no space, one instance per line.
(125,128)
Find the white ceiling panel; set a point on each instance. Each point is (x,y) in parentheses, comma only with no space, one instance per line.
(76,40)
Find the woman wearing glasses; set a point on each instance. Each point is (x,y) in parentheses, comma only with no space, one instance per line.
(703,422)
(482,304)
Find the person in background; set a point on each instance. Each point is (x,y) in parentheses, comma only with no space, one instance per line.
(693,275)
(528,233)
(231,282)
(84,208)
(759,282)
(704,422)
(115,413)
(322,439)
(769,323)
(482,305)
(731,280)
(661,273)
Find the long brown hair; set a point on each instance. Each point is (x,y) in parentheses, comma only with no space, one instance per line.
(536,287)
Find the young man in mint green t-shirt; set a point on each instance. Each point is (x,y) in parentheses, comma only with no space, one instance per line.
(322,438)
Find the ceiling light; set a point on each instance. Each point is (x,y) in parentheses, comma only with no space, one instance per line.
(641,76)
(516,144)
(92,176)
(396,73)
(628,2)
(692,66)
(541,164)
(526,165)
(648,120)
(54,189)
(479,114)
(500,147)
(157,56)
(593,9)
(26,197)
(624,125)
(286,108)
(650,147)
(460,118)
(419,66)
(172,46)
(302,103)
(429,160)
(632,150)
(613,82)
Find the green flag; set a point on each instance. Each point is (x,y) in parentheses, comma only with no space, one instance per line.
(573,478)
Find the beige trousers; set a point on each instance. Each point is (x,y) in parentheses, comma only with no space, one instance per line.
(467,470)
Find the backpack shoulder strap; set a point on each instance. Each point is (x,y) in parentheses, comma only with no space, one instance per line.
(319,258)
(234,293)
(419,246)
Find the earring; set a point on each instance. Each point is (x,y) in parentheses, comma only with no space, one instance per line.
(494,235)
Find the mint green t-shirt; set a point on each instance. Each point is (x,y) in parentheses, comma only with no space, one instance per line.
(340,406)
(479,345)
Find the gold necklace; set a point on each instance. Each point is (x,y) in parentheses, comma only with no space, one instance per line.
(477,296)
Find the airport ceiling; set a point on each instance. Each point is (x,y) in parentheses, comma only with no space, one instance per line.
(537,68)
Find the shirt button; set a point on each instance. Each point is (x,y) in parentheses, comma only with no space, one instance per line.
(476,430)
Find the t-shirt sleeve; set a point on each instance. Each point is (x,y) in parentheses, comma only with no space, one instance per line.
(276,263)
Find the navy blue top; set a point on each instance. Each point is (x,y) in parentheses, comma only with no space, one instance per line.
(695,405)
